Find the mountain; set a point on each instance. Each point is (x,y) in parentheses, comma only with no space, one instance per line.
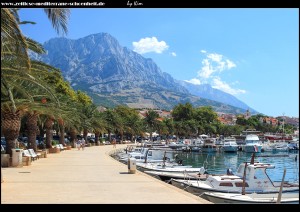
(112,74)
(208,92)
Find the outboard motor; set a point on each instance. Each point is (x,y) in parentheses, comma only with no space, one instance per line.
(229,172)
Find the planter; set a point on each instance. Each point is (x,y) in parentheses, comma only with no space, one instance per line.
(43,153)
(54,150)
(26,161)
(5,160)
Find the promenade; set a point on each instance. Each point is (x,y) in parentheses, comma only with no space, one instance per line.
(90,176)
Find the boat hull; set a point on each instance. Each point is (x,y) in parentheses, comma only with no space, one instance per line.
(252,149)
(200,187)
(237,198)
(230,148)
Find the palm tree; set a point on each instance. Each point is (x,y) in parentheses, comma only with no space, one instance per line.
(16,66)
(98,124)
(151,121)
(112,121)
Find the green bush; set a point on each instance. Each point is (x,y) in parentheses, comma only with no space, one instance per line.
(41,146)
(54,142)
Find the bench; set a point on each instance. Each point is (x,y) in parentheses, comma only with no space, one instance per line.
(34,154)
(26,153)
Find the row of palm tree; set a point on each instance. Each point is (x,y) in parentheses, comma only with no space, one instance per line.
(35,96)
(23,80)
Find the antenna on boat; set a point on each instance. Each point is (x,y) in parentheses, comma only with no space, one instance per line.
(252,158)
(146,155)
(281,185)
(164,159)
(244,180)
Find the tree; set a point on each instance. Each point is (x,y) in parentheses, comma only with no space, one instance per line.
(151,121)
(16,66)
(183,112)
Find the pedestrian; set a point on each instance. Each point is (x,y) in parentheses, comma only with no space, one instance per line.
(82,143)
(114,143)
(78,143)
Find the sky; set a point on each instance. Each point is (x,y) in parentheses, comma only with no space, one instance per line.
(251,53)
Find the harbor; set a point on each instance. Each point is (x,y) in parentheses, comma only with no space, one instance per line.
(202,172)
(86,177)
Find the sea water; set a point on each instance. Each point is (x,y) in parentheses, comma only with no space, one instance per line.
(219,162)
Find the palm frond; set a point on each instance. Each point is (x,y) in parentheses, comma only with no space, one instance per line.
(59,19)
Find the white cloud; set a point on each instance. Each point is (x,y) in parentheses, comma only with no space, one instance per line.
(230,64)
(147,44)
(206,69)
(215,57)
(194,81)
(212,66)
(173,54)
(223,86)
(214,63)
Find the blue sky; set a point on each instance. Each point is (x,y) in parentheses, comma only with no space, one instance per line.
(250,53)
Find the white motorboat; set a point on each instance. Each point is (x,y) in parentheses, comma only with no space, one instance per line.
(209,145)
(167,176)
(230,145)
(166,167)
(254,198)
(255,179)
(253,143)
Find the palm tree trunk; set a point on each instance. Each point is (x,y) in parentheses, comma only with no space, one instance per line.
(11,123)
(62,135)
(85,133)
(97,135)
(109,136)
(32,129)
(73,136)
(49,132)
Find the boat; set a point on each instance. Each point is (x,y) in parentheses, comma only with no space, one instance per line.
(253,143)
(146,155)
(230,145)
(209,145)
(166,167)
(167,176)
(254,198)
(279,136)
(252,176)
(195,148)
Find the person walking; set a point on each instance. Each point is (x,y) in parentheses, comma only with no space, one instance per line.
(82,143)
(78,144)
(114,143)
